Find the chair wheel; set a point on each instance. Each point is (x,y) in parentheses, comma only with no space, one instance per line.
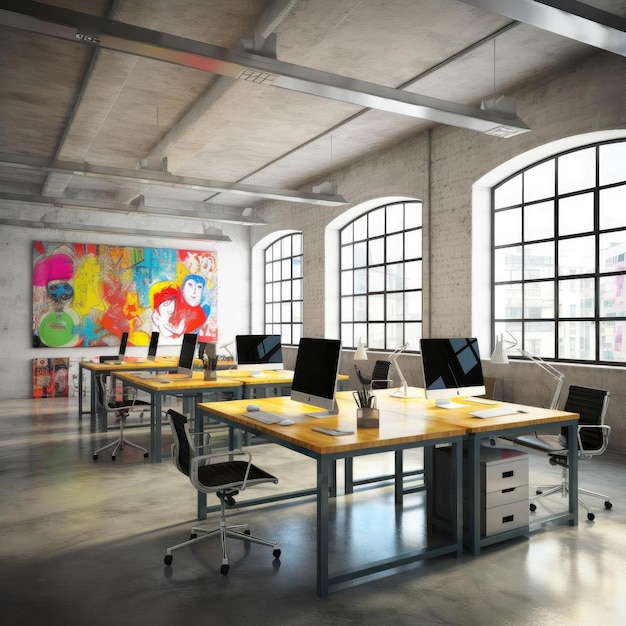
(608,505)
(145,455)
(277,553)
(533,507)
(591,517)
(95,457)
(224,570)
(113,458)
(246,531)
(168,559)
(538,492)
(193,536)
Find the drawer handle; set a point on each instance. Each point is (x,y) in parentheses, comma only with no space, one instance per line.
(508,518)
(509,490)
(508,474)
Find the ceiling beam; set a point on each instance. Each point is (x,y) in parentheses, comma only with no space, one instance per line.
(96,31)
(120,207)
(164,179)
(568,18)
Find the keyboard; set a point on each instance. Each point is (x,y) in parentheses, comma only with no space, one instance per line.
(262,416)
(334,432)
(496,412)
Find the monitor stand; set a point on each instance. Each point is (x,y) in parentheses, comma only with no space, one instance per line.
(403,392)
(448,404)
(331,413)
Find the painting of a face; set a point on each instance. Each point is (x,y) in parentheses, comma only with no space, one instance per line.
(60,291)
(192,292)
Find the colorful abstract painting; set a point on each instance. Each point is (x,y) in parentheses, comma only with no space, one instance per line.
(89,294)
(50,378)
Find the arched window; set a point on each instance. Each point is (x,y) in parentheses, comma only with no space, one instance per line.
(558,255)
(283,288)
(381,277)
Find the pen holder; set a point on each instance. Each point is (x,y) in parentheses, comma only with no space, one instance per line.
(367,418)
(210,375)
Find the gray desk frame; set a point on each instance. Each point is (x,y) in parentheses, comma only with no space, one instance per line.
(326,488)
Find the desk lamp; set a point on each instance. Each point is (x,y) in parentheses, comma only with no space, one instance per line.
(361,352)
(403,390)
(499,357)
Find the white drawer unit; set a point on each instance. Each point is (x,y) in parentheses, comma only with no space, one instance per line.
(503,485)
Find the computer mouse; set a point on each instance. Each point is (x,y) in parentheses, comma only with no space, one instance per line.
(252,407)
(286,422)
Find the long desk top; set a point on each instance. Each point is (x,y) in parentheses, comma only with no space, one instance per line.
(132,363)
(266,377)
(196,382)
(395,429)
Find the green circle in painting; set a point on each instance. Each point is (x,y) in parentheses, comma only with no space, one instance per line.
(56,329)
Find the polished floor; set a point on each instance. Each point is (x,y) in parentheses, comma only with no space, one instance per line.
(83,543)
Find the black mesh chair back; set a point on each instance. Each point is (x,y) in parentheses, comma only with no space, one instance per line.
(380,375)
(591,405)
(182,449)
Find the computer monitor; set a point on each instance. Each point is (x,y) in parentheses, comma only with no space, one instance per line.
(187,353)
(452,369)
(122,349)
(154,344)
(315,374)
(256,353)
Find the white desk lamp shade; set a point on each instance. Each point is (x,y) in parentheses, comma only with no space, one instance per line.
(361,352)
(499,356)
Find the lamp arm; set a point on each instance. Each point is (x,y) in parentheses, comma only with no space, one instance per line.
(403,384)
(550,369)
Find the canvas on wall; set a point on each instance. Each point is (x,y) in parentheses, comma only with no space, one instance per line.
(89,294)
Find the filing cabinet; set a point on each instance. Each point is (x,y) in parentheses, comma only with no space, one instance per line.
(503,484)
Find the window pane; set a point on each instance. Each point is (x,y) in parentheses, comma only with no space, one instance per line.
(360,254)
(539,300)
(297,245)
(612,300)
(376,278)
(412,214)
(577,297)
(395,277)
(347,282)
(509,194)
(612,249)
(577,340)
(413,275)
(297,290)
(376,251)
(508,264)
(394,335)
(613,207)
(346,310)
(577,256)
(376,333)
(413,334)
(347,234)
(539,221)
(296,267)
(296,312)
(285,290)
(577,170)
(395,306)
(576,214)
(508,301)
(413,306)
(360,229)
(347,256)
(395,218)
(395,248)
(360,309)
(612,341)
(286,247)
(286,269)
(507,227)
(377,223)
(376,308)
(613,163)
(539,182)
(360,281)
(413,244)
(539,260)
(539,339)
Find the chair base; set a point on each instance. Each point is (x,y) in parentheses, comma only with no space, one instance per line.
(546,490)
(239,531)
(119,444)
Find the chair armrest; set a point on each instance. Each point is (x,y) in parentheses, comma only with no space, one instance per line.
(606,431)
(209,459)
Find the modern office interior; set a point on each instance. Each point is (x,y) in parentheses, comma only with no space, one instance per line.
(374,172)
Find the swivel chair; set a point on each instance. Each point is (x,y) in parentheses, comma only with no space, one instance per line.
(121,408)
(593,439)
(379,378)
(225,474)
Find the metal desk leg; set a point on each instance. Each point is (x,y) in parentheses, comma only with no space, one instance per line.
(348,475)
(323,485)
(572,461)
(399,481)
(80,393)
(473,460)
(155,428)
(457,505)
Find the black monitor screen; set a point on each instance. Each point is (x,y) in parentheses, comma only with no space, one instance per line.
(123,342)
(452,367)
(315,374)
(154,344)
(187,351)
(258,349)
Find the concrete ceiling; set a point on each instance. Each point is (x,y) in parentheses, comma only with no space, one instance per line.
(185,107)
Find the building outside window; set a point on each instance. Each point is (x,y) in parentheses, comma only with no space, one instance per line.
(558,263)
(283,288)
(381,277)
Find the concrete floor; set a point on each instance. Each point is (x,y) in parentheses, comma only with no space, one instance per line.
(83,543)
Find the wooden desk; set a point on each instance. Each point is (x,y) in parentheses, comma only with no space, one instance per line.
(271,379)
(478,430)
(191,388)
(161,364)
(397,432)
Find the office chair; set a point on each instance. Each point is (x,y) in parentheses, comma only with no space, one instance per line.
(379,378)
(225,474)
(121,408)
(593,439)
